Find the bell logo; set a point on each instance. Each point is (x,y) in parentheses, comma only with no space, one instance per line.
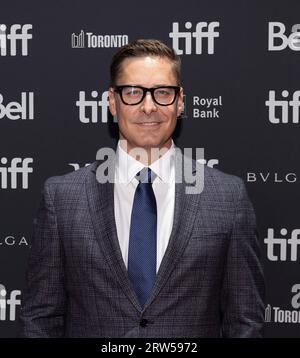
(12,302)
(277,34)
(22,110)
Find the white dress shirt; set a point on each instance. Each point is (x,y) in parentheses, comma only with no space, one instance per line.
(164,190)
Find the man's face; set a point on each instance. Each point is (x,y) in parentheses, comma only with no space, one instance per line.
(146,125)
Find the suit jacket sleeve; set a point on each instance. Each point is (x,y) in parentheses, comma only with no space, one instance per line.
(243,284)
(42,311)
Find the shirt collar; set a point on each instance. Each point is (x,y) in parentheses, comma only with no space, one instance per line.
(127,167)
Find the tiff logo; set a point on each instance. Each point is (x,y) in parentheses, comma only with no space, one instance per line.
(281,244)
(282,106)
(88,109)
(13,170)
(203,30)
(15,110)
(10,302)
(276,33)
(11,36)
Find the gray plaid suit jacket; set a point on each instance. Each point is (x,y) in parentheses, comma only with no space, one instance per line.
(209,284)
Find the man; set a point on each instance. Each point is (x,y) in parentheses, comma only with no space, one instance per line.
(142,257)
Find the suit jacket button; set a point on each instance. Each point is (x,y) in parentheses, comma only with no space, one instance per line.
(144,322)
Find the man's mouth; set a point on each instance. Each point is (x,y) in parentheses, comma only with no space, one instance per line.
(149,124)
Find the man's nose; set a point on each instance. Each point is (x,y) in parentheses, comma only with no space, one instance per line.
(148,104)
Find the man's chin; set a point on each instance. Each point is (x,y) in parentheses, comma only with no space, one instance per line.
(154,144)
(146,143)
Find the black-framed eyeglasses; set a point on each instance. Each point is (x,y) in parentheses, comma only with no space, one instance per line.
(132,95)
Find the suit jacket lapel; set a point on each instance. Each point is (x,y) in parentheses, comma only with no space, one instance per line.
(101,204)
(186,208)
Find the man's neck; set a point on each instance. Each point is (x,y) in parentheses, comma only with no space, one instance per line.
(145,155)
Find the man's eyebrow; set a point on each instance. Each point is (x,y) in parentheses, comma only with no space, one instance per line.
(155,85)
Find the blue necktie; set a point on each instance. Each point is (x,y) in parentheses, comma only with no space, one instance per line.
(142,237)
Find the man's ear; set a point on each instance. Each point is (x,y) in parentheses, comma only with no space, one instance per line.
(112,101)
(180,102)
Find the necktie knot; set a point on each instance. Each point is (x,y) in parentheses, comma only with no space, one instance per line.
(146,175)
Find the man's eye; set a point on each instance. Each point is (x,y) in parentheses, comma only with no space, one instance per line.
(133,92)
(163,92)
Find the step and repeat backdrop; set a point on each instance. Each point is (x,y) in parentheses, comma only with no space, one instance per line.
(241,75)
